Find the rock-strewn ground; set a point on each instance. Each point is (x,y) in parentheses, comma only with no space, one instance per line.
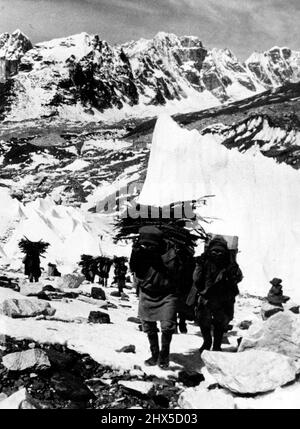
(79,364)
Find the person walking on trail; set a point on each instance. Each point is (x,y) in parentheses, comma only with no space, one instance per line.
(32,265)
(104,269)
(120,273)
(155,271)
(33,252)
(214,290)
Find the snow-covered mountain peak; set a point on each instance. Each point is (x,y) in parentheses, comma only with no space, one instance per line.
(275,66)
(81,76)
(164,36)
(61,49)
(13,46)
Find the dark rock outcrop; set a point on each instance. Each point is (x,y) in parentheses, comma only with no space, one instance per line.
(98,317)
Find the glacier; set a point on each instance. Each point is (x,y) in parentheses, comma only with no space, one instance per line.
(254,198)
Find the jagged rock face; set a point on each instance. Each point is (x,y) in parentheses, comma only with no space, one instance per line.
(103,78)
(75,77)
(277,139)
(166,67)
(79,70)
(275,67)
(46,160)
(12,48)
(224,75)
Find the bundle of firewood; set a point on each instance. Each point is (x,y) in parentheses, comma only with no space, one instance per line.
(33,247)
(174,228)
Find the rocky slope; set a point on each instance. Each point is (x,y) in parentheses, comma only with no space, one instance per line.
(275,67)
(75,163)
(84,78)
(268,122)
(66,361)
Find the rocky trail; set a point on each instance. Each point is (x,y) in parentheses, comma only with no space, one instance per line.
(66,379)
(63,347)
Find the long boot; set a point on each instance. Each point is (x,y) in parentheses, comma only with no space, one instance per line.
(207,339)
(182,325)
(163,360)
(154,348)
(218,336)
(120,287)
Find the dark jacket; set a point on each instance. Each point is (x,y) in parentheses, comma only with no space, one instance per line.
(215,283)
(32,265)
(155,269)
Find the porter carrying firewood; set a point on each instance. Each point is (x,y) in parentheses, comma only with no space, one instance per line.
(160,260)
(216,277)
(33,251)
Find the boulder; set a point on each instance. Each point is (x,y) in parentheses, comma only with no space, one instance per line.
(98,317)
(14,401)
(9,283)
(20,400)
(292,306)
(199,398)
(245,324)
(31,289)
(286,397)
(98,293)
(134,320)
(250,372)
(143,388)
(71,281)
(280,334)
(3,396)
(268,310)
(127,349)
(15,308)
(190,379)
(32,358)
(115,293)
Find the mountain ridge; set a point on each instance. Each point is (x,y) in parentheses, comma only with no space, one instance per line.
(83,78)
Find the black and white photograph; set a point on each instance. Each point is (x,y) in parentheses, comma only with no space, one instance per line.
(149,207)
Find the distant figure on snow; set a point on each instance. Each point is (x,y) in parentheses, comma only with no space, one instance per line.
(215,281)
(33,251)
(275,295)
(103,268)
(88,265)
(92,266)
(120,273)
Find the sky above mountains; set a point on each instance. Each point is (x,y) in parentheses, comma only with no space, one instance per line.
(243,26)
